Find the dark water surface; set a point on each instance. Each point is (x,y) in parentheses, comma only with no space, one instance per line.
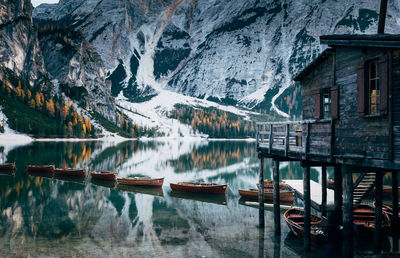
(42,216)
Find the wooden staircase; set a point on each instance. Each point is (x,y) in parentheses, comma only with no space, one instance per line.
(363,185)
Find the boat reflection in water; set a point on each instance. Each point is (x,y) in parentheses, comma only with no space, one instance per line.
(104,183)
(41,174)
(155,191)
(210,198)
(76,179)
(69,217)
(7,172)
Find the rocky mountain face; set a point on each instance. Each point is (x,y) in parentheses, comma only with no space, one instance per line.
(239,52)
(76,68)
(19,46)
(52,56)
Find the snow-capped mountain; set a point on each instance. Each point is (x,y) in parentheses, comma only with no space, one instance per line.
(240,52)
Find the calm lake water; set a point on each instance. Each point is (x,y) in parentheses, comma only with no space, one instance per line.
(42,216)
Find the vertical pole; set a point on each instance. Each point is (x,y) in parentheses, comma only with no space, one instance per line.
(338,192)
(324,192)
(277,215)
(347,212)
(307,208)
(261,238)
(261,193)
(395,201)
(378,211)
(277,247)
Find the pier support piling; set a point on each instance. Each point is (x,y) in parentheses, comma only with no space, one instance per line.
(338,191)
(307,208)
(395,202)
(347,211)
(277,214)
(378,212)
(261,193)
(324,192)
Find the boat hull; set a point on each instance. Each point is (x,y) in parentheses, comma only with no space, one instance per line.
(149,182)
(70,172)
(103,176)
(7,167)
(252,194)
(40,168)
(200,188)
(295,221)
(364,219)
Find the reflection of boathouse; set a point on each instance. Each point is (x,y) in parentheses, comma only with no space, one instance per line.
(351,121)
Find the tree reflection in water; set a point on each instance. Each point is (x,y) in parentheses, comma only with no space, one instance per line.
(43,216)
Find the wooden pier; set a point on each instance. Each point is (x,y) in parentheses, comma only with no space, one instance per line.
(315,194)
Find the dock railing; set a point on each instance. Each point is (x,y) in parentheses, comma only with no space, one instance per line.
(307,137)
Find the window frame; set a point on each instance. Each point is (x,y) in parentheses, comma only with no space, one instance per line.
(370,111)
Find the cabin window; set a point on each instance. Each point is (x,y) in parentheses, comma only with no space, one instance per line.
(373,87)
(326,103)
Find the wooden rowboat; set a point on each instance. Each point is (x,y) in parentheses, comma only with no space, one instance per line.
(203,188)
(7,166)
(104,175)
(40,168)
(78,172)
(252,194)
(295,221)
(141,181)
(364,218)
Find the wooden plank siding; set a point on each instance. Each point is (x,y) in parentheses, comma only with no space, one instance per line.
(363,136)
(321,77)
(396,104)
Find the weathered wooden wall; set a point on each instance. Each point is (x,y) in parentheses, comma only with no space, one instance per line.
(320,77)
(367,137)
(396,104)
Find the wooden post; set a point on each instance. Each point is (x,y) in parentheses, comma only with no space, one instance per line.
(378,211)
(307,208)
(338,191)
(286,139)
(324,192)
(277,247)
(261,193)
(395,201)
(347,212)
(270,139)
(261,237)
(277,214)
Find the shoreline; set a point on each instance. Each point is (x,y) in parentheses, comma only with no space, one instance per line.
(17,139)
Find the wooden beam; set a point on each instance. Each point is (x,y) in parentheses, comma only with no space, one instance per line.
(324,192)
(395,201)
(261,218)
(347,211)
(382,17)
(307,208)
(378,212)
(277,214)
(338,191)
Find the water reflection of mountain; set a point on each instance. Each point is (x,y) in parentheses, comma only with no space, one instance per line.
(214,155)
(55,217)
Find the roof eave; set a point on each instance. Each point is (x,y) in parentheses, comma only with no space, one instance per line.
(360,43)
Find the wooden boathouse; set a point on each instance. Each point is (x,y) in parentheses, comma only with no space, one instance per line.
(351,121)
